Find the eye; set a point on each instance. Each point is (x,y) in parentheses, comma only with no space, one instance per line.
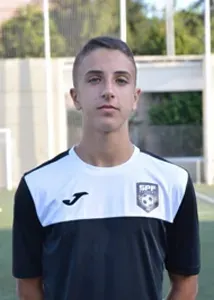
(94,80)
(121,81)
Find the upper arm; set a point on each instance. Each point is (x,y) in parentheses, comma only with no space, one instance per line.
(179,280)
(183,255)
(27,235)
(183,287)
(31,289)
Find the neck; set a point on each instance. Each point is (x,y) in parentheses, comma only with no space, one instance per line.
(105,150)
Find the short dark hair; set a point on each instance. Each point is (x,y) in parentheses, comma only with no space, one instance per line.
(105,42)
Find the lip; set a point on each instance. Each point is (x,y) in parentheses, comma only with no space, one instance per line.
(107,107)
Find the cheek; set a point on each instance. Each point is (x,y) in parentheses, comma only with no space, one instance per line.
(128,102)
(87,102)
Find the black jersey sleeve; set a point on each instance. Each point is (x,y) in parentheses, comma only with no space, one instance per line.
(183,241)
(27,235)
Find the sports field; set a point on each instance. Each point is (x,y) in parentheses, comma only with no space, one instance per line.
(206,214)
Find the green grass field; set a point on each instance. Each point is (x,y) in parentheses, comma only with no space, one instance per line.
(206,214)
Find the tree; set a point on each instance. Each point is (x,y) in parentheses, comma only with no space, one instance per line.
(73,22)
(199,4)
(149,38)
(189,33)
(144,35)
(22,36)
(177,109)
(69,17)
(148,35)
(80,20)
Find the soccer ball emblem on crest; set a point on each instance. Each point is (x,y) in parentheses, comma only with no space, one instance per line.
(147,196)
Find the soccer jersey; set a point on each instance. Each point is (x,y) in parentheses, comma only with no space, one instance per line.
(103,233)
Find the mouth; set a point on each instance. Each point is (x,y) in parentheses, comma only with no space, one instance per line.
(107,107)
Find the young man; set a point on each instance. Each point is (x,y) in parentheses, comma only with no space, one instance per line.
(102,220)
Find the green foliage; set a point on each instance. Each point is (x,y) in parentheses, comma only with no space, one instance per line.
(189,33)
(23,36)
(83,20)
(73,22)
(177,109)
(70,17)
(149,38)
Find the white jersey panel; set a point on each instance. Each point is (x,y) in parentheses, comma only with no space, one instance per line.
(70,189)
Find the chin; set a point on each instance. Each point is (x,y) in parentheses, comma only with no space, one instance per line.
(108,128)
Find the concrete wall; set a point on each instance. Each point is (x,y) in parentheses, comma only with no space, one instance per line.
(160,74)
(23,110)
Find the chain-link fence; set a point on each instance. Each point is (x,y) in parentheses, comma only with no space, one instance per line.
(162,140)
(72,23)
(169,141)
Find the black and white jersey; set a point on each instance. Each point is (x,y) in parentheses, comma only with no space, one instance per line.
(103,233)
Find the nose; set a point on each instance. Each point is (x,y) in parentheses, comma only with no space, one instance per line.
(108,92)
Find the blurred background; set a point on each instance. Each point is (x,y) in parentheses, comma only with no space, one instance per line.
(172,42)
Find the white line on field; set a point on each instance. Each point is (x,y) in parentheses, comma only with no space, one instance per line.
(205,198)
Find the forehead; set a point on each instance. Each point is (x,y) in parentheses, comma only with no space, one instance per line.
(107,61)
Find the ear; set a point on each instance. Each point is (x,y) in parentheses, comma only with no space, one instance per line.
(137,95)
(73,93)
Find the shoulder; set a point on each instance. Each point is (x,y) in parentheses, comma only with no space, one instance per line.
(46,176)
(47,170)
(168,170)
(52,163)
(174,182)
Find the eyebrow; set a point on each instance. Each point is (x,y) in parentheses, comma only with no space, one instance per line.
(99,72)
